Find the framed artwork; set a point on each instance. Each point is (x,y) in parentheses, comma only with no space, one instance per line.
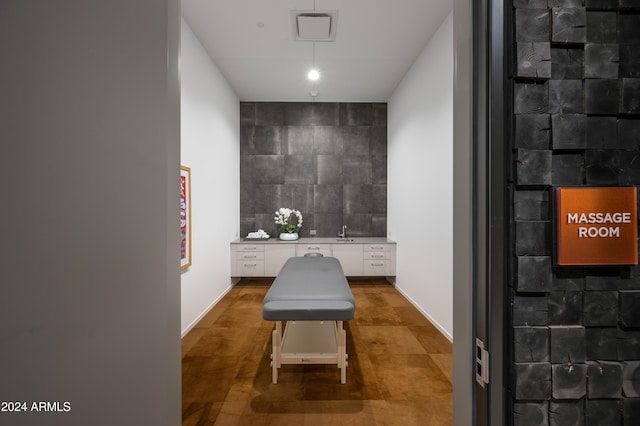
(185,217)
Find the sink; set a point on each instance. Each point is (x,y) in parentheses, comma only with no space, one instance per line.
(344,240)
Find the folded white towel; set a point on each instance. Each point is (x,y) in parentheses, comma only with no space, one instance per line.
(259,234)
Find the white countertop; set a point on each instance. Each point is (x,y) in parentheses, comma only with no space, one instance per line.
(320,240)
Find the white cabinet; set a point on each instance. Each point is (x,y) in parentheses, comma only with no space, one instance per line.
(350,257)
(379,259)
(259,260)
(247,260)
(265,259)
(302,249)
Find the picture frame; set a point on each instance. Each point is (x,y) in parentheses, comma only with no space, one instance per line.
(185,217)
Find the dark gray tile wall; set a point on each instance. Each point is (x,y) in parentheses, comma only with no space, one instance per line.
(575,348)
(328,160)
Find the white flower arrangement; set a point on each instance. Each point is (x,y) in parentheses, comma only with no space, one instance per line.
(283,217)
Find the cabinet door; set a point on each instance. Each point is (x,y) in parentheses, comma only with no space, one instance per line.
(274,257)
(350,257)
(302,249)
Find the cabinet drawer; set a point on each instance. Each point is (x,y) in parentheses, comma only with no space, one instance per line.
(302,249)
(249,247)
(250,255)
(377,268)
(377,255)
(250,268)
(378,247)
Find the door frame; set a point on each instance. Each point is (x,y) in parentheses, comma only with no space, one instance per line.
(481,226)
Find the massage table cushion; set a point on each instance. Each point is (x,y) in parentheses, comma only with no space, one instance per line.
(309,289)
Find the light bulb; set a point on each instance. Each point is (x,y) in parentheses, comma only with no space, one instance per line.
(313,75)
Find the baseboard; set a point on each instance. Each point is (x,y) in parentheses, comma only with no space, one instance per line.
(426,315)
(206,311)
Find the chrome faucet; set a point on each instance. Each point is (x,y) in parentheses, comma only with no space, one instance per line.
(343,234)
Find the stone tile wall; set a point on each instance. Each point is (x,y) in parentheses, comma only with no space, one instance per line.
(328,160)
(574,331)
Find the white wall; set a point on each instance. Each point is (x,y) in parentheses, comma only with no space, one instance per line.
(210,132)
(420,172)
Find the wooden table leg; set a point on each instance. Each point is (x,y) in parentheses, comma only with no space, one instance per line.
(276,350)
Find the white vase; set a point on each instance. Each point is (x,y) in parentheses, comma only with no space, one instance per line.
(285,236)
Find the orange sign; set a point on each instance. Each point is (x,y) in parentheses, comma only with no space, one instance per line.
(597,226)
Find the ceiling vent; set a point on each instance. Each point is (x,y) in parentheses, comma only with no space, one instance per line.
(314,26)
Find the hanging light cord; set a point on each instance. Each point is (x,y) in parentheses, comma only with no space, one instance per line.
(313,83)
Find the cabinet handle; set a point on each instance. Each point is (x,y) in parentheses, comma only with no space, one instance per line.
(250,248)
(377,256)
(313,248)
(377,248)
(249,264)
(249,256)
(377,264)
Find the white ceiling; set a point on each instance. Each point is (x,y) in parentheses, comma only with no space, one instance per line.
(376,43)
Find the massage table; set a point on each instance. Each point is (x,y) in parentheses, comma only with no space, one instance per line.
(312,297)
